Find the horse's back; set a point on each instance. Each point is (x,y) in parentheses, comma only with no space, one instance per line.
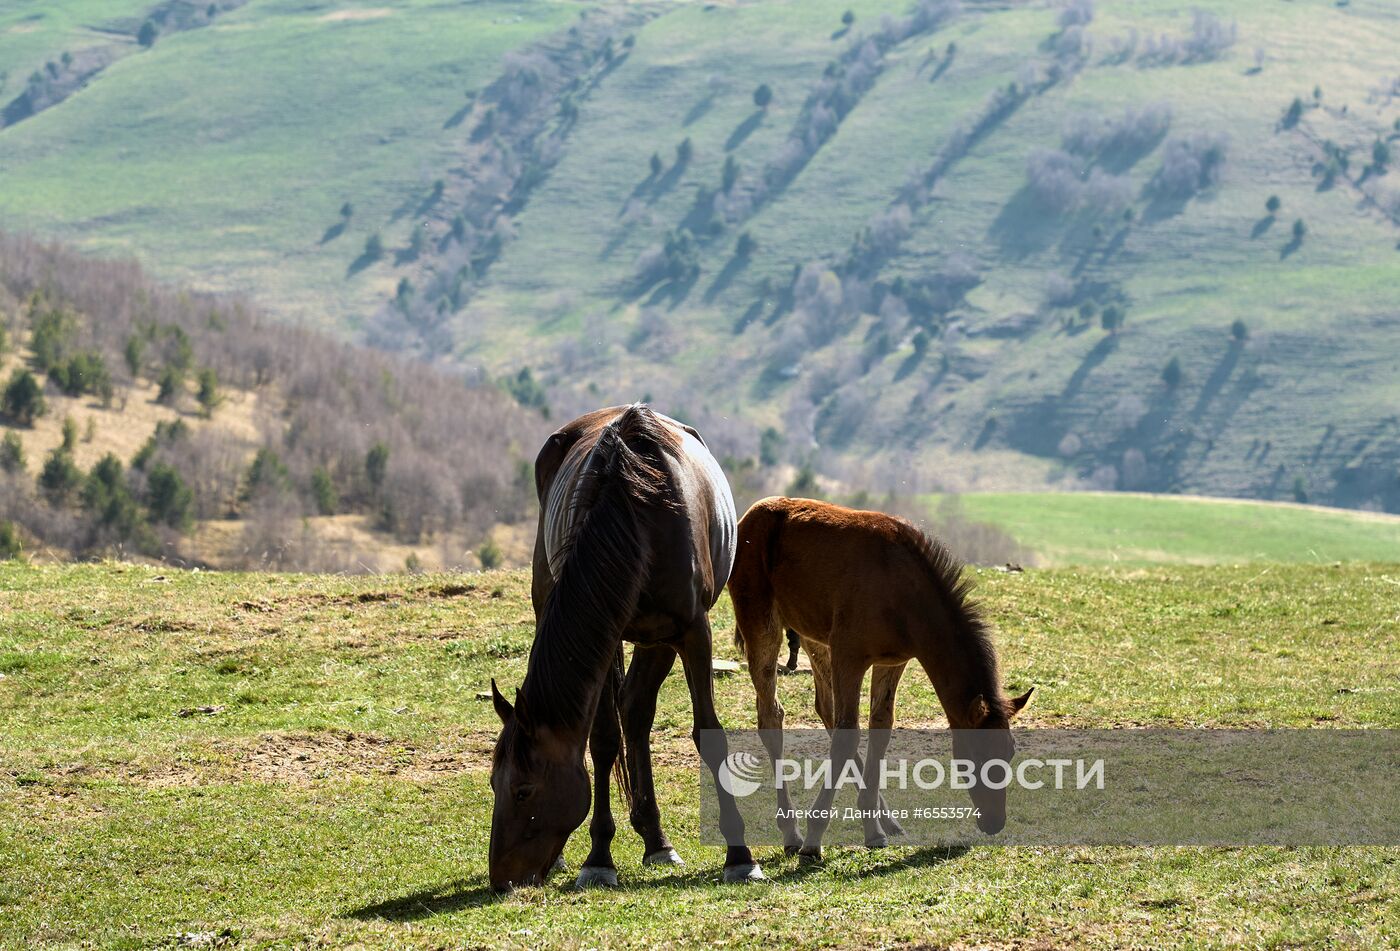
(824,565)
(692,542)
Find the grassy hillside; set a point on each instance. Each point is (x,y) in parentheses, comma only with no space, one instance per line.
(922,297)
(334,788)
(252,134)
(1099,528)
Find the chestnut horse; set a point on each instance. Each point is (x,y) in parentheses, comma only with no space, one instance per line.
(863,590)
(635,541)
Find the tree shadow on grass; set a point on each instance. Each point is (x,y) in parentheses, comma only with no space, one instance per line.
(910,363)
(698,110)
(667,181)
(726,277)
(673,293)
(333,232)
(1092,359)
(360,263)
(1160,206)
(1288,249)
(1023,227)
(743,130)
(1261,226)
(1217,379)
(749,316)
(456,119)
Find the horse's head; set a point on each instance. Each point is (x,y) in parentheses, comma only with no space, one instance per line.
(986,736)
(542,796)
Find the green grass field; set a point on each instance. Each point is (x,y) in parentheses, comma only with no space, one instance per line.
(1103,528)
(337,795)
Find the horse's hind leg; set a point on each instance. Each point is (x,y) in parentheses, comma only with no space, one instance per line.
(880,824)
(697,655)
(647,672)
(603,743)
(820,655)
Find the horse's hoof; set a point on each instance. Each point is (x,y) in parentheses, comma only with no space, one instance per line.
(891,827)
(738,874)
(595,876)
(663,857)
(559,865)
(791,850)
(878,842)
(806,856)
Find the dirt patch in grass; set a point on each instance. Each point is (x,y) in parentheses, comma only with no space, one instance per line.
(294,758)
(309,757)
(303,757)
(320,599)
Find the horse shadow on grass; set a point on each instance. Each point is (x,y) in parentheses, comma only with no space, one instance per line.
(427,902)
(464,894)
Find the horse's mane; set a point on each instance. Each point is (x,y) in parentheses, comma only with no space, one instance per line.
(954,587)
(602,567)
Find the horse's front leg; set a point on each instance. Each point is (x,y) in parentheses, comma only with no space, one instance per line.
(845,751)
(603,743)
(880,822)
(697,652)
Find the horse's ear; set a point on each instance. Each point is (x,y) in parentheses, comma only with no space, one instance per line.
(503,708)
(1019,703)
(978,711)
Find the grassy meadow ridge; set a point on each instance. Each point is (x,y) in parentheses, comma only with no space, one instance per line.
(284,760)
(1123,528)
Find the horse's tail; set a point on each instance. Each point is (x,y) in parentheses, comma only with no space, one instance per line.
(757,552)
(612,697)
(608,558)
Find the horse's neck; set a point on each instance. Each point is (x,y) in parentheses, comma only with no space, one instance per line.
(562,688)
(959,663)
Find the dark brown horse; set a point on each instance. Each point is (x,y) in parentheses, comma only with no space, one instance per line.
(863,590)
(636,539)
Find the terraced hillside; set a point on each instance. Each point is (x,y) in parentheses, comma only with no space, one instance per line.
(941,246)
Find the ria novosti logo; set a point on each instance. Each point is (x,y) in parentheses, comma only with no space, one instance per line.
(741,773)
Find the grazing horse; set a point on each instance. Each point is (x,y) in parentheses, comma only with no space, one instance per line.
(635,541)
(863,590)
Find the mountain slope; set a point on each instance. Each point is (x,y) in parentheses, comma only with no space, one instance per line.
(942,202)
